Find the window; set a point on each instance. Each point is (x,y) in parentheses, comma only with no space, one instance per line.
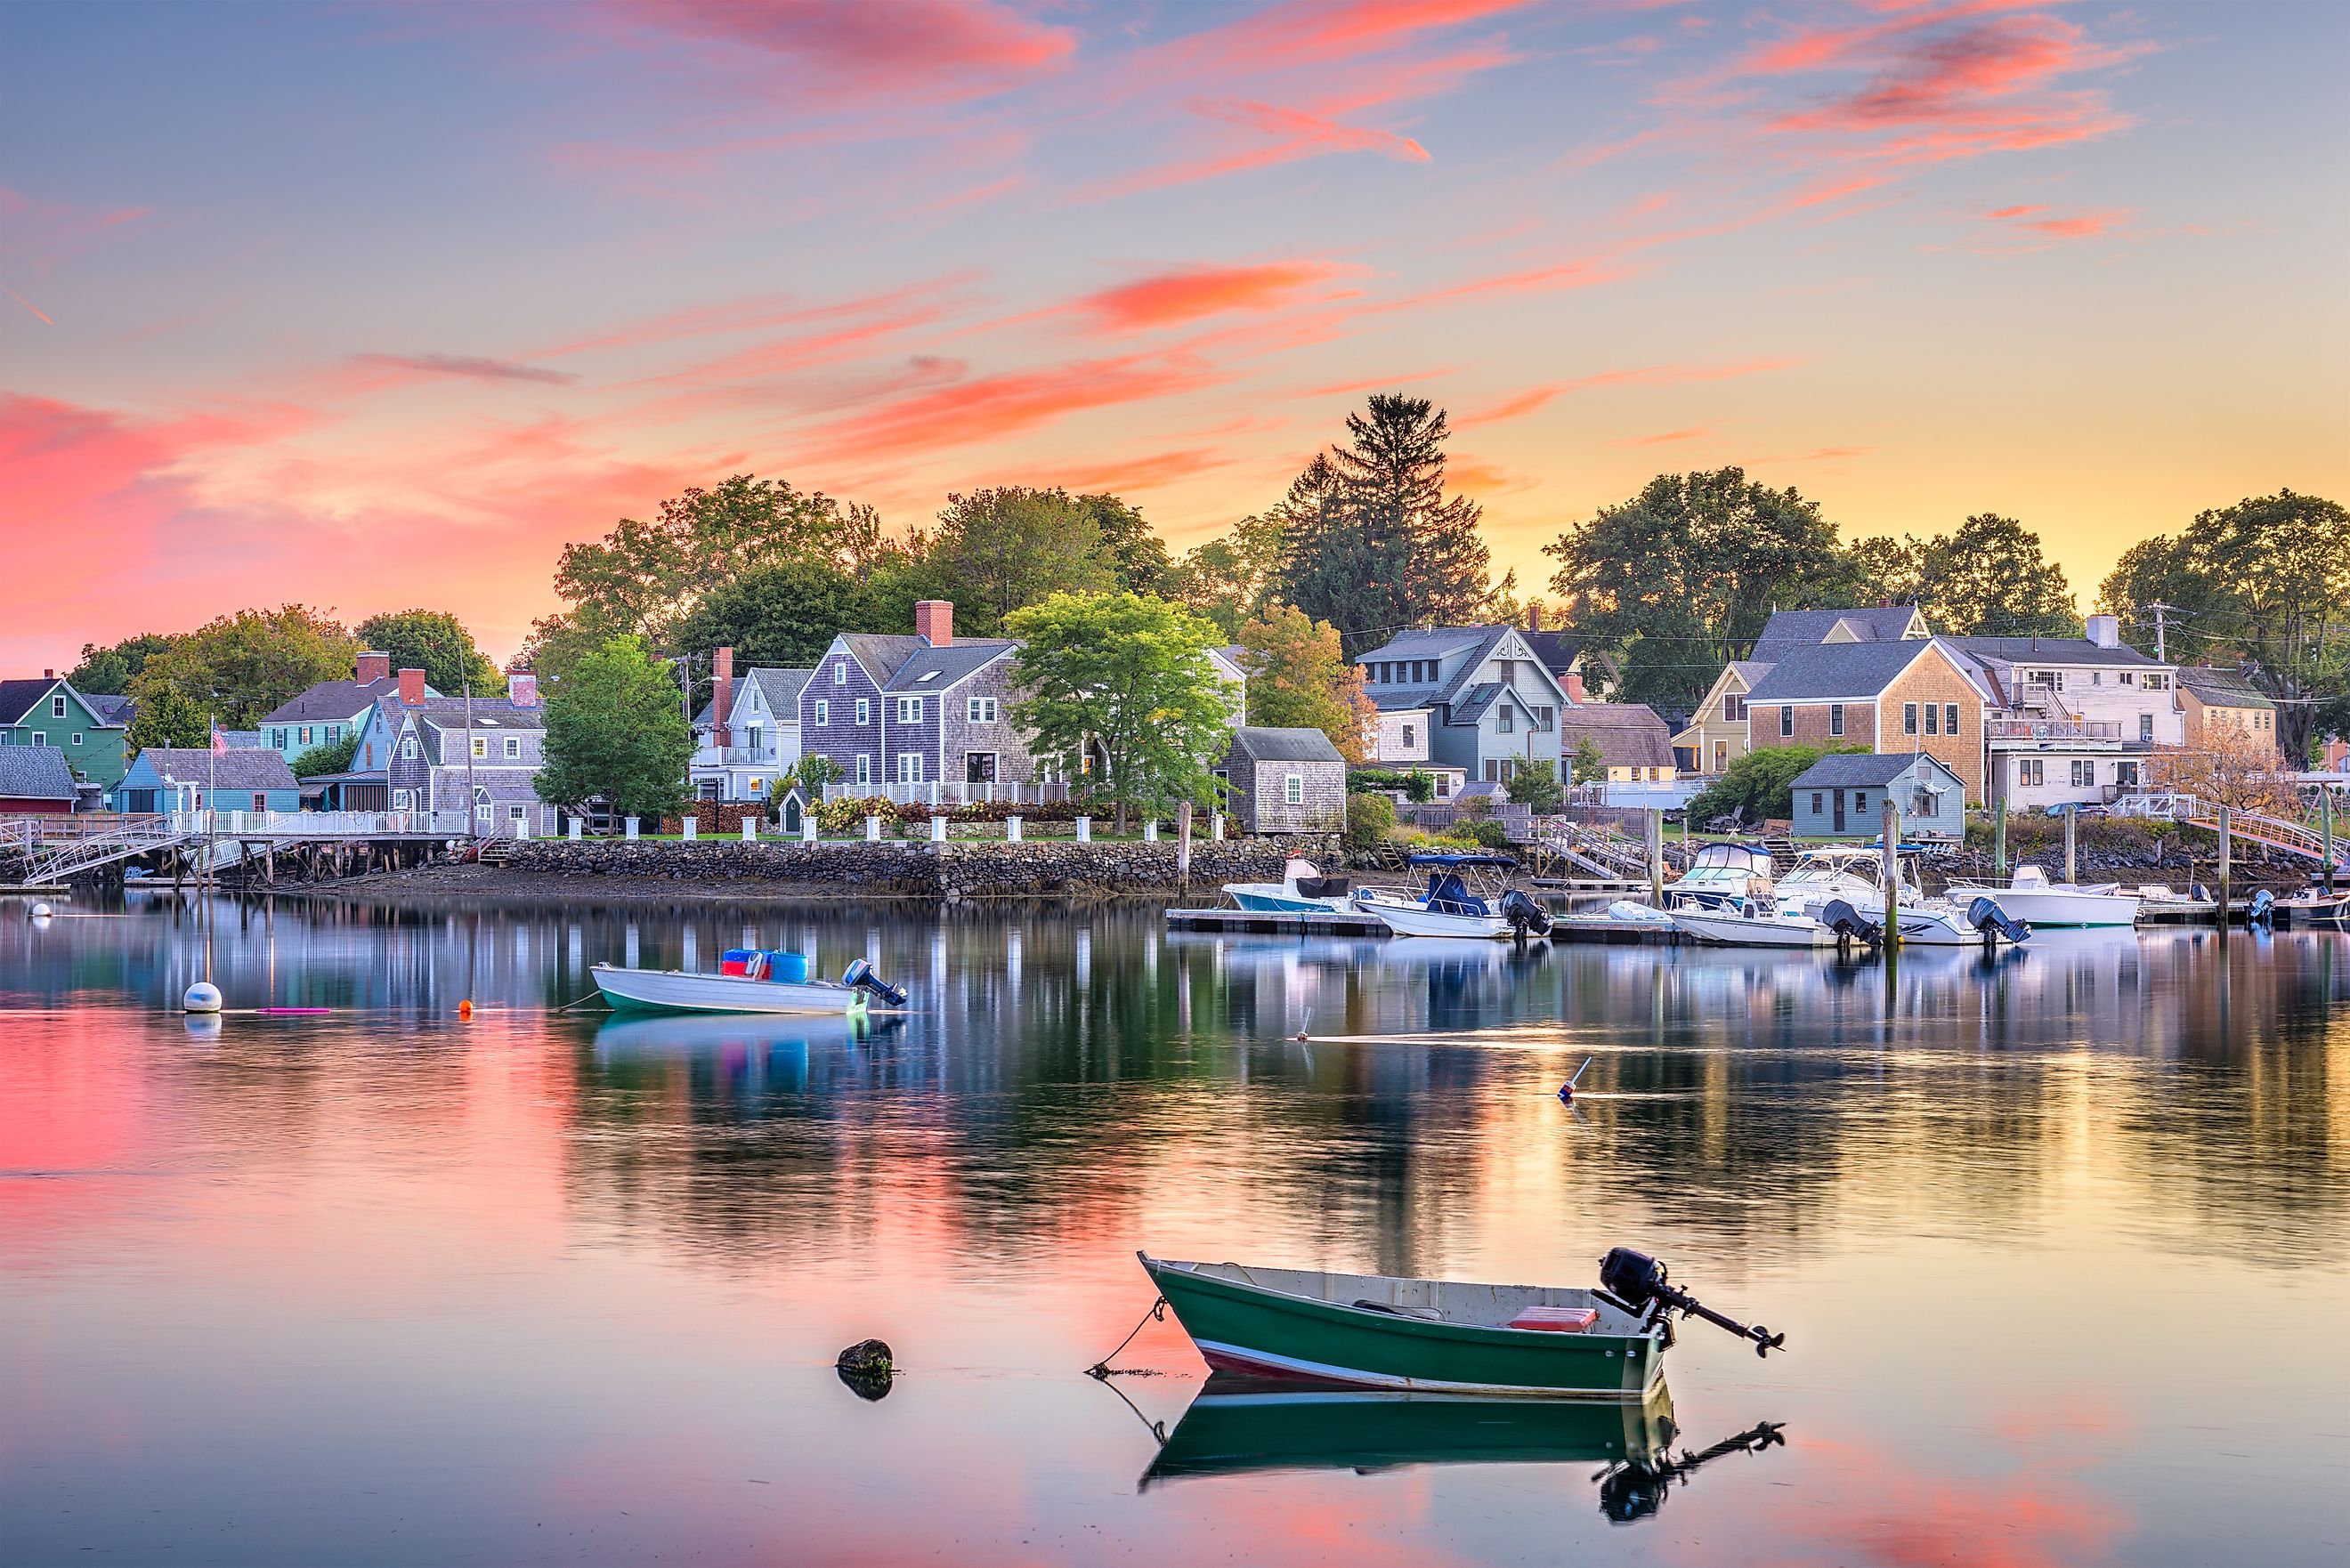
(2028,772)
(750,738)
(1949,718)
(1908,718)
(864,711)
(910,710)
(306,735)
(1408,736)
(1545,719)
(1786,722)
(1836,717)
(76,737)
(823,711)
(2126,775)
(981,709)
(57,707)
(1505,719)
(864,768)
(1859,800)
(2154,683)
(2096,677)
(334,732)
(407,748)
(2145,727)
(840,672)
(2085,775)
(2128,678)
(260,800)
(1933,719)
(514,747)
(400,799)
(276,740)
(1815,802)
(1733,709)
(910,767)
(518,814)
(484,812)
(1293,789)
(481,745)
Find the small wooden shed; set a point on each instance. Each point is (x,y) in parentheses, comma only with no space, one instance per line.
(1285,781)
(1842,796)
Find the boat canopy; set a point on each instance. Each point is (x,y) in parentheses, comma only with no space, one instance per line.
(1501,862)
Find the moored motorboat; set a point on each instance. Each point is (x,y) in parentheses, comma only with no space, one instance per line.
(764,985)
(2313,906)
(1449,907)
(1720,876)
(1381,1331)
(1302,891)
(2030,896)
(1949,923)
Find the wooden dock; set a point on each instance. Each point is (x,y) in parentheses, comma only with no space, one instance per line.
(1602,929)
(1281,921)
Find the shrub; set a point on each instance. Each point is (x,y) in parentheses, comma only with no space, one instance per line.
(1537,784)
(1419,786)
(1369,819)
(1372,781)
(1758,786)
(1481,833)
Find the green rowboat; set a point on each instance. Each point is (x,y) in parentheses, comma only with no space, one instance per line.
(1440,1337)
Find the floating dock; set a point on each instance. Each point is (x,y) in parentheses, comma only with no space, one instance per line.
(1606,928)
(1282,922)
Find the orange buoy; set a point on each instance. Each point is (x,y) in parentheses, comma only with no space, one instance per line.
(465,1008)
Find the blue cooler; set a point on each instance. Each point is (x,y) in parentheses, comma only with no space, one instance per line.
(790,968)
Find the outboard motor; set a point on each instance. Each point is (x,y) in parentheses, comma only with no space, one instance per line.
(2200,893)
(1636,1282)
(1527,917)
(2261,910)
(1850,923)
(859,974)
(1985,915)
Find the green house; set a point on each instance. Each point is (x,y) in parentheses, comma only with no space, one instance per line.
(50,712)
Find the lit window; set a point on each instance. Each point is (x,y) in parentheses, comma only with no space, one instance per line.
(306,735)
(481,745)
(1293,789)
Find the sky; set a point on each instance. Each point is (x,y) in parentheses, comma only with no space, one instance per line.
(376,306)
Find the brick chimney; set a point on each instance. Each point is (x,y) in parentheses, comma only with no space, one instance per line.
(522,689)
(1533,618)
(721,695)
(1572,681)
(372,667)
(49,675)
(411,688)
(934,622)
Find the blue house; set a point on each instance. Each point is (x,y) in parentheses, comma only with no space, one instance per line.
(1844,796)
(1481,700)
(167,778)
(333,711)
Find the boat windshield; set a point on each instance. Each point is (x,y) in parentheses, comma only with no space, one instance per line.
(1728,863)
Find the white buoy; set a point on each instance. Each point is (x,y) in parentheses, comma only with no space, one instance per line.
(202,997)
(203,1026)
(39,912)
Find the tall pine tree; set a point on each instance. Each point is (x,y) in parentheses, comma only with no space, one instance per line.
(1372,544)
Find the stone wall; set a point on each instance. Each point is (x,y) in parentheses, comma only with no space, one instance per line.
(953,872)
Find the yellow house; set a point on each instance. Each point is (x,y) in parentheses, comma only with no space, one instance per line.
(1717,734)
(2211,699)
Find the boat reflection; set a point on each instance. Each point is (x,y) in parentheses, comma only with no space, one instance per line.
(1243,1426)
(1636,1487)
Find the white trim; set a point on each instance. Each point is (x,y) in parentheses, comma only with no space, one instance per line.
(1327,1373)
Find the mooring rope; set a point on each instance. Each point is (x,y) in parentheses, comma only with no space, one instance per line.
(1103,1369)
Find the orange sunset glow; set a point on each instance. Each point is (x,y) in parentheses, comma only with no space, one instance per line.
(379,306)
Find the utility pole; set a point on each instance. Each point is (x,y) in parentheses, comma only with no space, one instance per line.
(2162,653)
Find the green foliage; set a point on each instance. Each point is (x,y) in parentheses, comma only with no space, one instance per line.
(1481,832)
(1758,786)
(1370,819)
(110,671)
(1536,784)
(1230,580)
(2258,583)
(240,666)
(782,616)
(1299,677)
(1986,579)
(1128,674)
(1590,762)
(1419,786)
(1374,781)
(815,771)
(437,643)
(1005,548)
(1134,552)
(330,757)
(1669,585)
(167,718)
(614,730)
(1370,543)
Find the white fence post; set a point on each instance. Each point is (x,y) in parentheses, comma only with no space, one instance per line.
(1216,828)
(807,825)
(1084,830)
(749,829)
(628,829)
(872,830)
(1150,831)
(1011,830)
(938,830)
(693,828)
(575,830)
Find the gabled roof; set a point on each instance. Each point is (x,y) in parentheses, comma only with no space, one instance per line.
(490,715)
(781,687)
(1466,675)
(1263,744)
(17,697)
(227,770)
(34,773)
(1471,708)
(2221,687)
(1813,628)
(2051,651)
(1557,649)
(112,709)
(332,699)
(1431,642)
(928,669)
(1835,672)
(1844,770)
(880,652)
(1630,734)
(1415,699)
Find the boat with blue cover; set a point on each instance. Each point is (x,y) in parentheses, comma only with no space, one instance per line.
(750,980)
(1451,906)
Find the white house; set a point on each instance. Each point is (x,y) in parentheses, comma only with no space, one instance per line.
(2070,718)
(747,735)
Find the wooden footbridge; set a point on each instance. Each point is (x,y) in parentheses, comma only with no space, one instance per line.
(2252,827)
(57,848)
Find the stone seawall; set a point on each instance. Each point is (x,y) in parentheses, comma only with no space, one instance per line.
(954,871)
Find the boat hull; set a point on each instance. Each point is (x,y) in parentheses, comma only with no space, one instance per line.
(1744,932)
(678,991)
(1928,928)
(2305,912)
(1415,920)
(1267,1334)
(2056,906)
(1273,898)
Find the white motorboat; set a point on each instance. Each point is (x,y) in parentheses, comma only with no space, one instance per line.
(2031,896)
(2313,906)
(767,982)
(1753,924)
(1950,923)
(1449,907)
(1718,876)
(1302,891)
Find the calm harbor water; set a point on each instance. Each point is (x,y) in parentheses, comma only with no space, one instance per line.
(2061,1244)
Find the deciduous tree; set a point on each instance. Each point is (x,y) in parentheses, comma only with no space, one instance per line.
(167,718)
(240,666)
(1759,785)
(1985,579)
(435,642)
(330,757)
(1230,579)
(781,616)
(1131,675)
(1004,548)
(2229,767)
(1536,785)
(614,729)
(1135,554)
(1300,678)
(110,670)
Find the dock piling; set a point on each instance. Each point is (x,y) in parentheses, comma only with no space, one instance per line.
(2227,861)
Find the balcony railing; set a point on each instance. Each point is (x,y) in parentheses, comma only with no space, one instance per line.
(948,791)
(2021,727)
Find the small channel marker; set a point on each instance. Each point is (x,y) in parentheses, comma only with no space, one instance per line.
(1567,1090)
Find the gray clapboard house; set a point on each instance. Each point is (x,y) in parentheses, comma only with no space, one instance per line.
(1480,699)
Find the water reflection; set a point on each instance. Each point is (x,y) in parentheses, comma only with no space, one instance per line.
(610,1258)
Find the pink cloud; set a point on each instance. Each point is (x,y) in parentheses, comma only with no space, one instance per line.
(2066,226)
(1534,398)
(1312,32)
(37,234)
(1372,384)
(1665,438)
(1154,471)
(992,408)
(920,48)
(1170,300)
(755,314)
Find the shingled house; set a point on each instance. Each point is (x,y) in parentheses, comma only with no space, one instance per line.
(1284,781)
